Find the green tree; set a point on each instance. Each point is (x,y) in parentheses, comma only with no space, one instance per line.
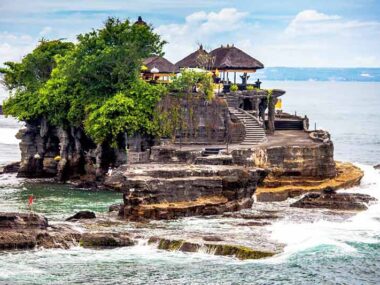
(24,79)
(94,85)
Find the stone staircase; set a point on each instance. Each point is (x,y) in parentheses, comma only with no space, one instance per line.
(232,101)
(254,133)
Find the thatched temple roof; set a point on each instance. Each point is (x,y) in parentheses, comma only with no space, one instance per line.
(232,58)
(162,64)
(192,60)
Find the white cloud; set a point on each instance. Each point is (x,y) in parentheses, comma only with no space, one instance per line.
(312,22)
(13,46)
(45,31)
(200,27)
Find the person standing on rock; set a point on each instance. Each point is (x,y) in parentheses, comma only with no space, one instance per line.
(30,201)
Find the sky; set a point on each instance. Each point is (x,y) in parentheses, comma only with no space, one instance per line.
(293,33)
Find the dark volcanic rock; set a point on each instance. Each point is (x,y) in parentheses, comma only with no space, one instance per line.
(10,168)
(115,207)
(212,238)
(25,231)
(82,215)
(105,240)
(11,221)
(329,199)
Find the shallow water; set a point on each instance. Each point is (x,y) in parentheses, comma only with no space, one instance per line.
(319,248)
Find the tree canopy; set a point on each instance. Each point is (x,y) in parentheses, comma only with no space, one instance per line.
(93,84)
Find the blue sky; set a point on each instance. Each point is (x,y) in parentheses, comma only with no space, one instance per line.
(319,33)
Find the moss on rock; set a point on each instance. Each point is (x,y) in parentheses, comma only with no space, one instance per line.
(238,251)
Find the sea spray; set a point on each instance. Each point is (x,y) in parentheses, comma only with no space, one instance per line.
(363,227)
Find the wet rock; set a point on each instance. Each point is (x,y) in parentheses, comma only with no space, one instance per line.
(86,184)
(158,191)
(17,240)
(115,207)
(12,221)
(275,188)
(82,215)
(252,216)
(254,224)
(377,166)
(212,238)
(58,237)
(105,240)
(329,199)
(26,231)
(238,251)
(10,168)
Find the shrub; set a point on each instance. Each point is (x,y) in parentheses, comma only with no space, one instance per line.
(234,88)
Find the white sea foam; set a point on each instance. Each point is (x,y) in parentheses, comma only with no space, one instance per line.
(363,227)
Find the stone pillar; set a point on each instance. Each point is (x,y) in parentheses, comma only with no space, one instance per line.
(271,114)
(257,102)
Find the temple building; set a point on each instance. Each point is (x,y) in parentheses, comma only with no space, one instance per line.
(250,104)
(156,69)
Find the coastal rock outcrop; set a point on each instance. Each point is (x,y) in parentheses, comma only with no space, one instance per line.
(10,168)
(275,188)
(64,153)
(329,199)
(157,191)
(238,251)
(19,221)
(29,230)
(105,240)
(82,215)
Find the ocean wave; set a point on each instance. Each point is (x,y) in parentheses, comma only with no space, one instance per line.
(361,228)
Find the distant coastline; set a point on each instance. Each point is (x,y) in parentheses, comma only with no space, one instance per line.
(360,74)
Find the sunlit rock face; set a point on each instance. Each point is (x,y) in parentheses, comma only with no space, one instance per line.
(157,191)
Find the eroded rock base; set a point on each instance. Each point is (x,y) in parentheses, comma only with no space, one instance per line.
(276,188)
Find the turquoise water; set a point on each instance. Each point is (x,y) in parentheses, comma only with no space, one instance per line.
(317,251)
(54,201)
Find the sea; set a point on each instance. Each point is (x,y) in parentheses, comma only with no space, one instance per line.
(317,250)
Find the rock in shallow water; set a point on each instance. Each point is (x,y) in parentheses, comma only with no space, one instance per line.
(105,240)
(12,221)
(29,230)
(329,199)
(10,168)
(82,215)
(238,251)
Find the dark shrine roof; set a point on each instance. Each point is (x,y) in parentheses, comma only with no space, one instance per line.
(192,60)
(162,64)
(140,21)
(232,58)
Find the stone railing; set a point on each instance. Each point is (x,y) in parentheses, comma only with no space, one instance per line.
(138,157)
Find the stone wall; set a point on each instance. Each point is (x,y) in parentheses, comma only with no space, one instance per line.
(194,120)
(308,160)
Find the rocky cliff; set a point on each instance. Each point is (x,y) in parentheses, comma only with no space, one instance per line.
(48,151)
